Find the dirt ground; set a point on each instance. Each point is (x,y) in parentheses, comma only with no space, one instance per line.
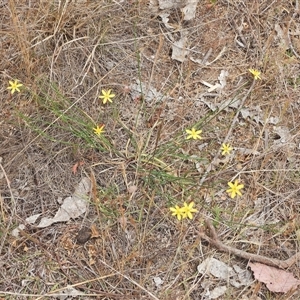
(171,69)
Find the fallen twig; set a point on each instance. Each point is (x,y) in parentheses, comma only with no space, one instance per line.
(215,242)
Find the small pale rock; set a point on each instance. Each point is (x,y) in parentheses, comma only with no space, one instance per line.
(217,292)
(158,281)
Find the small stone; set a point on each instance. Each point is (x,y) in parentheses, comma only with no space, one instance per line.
(83,235)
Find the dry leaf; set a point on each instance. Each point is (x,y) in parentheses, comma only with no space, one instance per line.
(92,252)
(15,232)
(72,207)
(189,11)
(165,4)
(32,219)
(216,268)
(242,277)
(67,293)
(236,276)
(217,292)
(283,133)
(66,243)
(123,222)
(75,167)
(179,48)
(150,94)
(94,231)
(255,113)
(222,78)
(276,280)
(165,19)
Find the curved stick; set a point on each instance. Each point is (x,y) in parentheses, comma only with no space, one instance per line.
(215,242)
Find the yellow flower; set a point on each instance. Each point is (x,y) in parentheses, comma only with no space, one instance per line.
(99,130)
(234,189)
(187,210)
(226,148)
(14,86)
(193,134)
(177,211)
(106,96)
(255,73)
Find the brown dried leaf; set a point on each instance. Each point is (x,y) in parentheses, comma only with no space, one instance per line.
(67,243)
(92,252)
(75,167)
(94,186)
(276,280)
(123,221)
(95,232)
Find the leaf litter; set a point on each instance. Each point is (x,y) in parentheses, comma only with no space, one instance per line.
(188,10)
(276,280)
(71,208)
(68,293)
(254,114)
(235,275)
(179,48)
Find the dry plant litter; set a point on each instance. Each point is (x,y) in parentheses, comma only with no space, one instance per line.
(123,123)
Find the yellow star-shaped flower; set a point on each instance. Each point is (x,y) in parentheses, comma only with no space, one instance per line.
(99,130)
(106,96)
(234,189)
(226,148)
(187,210)
(177,211)
(255,73)
(14,86)
(193,134)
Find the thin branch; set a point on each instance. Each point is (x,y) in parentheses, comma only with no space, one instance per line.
(215,242)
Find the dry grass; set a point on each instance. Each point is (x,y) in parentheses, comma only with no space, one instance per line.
(65,53)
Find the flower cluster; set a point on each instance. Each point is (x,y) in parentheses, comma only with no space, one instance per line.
(187,210)
(183,212)
(106,96)
(234,188)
